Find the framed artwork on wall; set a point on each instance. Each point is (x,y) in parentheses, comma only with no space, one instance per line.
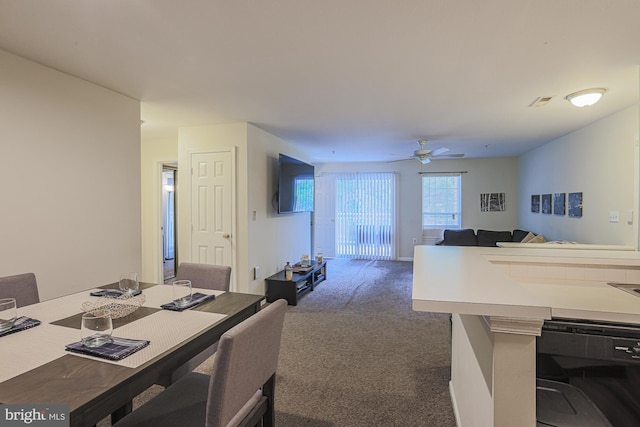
(535,203)
(558,203)
(575,205)
(545,203)
(492,202)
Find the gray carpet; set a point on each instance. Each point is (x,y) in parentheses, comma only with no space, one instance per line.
(354,353)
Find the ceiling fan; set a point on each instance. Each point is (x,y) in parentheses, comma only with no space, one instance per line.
(425,156)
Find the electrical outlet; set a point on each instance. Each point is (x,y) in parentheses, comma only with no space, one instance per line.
(256,273)
(415,241)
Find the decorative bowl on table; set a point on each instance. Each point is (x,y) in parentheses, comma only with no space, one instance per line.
(120,306)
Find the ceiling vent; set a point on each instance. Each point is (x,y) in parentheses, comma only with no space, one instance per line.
(540,101)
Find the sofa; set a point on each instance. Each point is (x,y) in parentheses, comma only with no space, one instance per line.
(469,237)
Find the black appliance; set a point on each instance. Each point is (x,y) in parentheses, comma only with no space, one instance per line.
(600,359)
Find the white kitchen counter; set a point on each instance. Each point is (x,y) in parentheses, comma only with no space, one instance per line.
(499,298)
(464,280)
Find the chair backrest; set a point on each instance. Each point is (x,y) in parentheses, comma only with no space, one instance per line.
(206,276)
(247,359)
(22,287)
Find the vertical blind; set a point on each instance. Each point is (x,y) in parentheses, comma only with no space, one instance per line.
(365,215)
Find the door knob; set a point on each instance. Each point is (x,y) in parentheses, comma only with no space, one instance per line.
(226,235)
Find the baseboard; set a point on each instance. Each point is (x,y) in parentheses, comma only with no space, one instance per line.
(404,259)
(454,404)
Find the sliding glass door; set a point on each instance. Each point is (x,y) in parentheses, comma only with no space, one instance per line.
(365,215)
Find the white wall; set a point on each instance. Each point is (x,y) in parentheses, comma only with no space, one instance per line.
(495,175)
(271,239)
(154,153)
(232,136)
(71,179)
(599,160)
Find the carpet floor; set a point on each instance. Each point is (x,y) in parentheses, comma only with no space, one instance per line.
(354,353)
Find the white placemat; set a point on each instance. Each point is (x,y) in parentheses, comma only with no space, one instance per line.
(164,329)
(25,350)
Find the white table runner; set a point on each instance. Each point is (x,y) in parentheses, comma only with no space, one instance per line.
(28,349)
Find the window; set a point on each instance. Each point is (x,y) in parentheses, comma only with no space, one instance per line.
(303,194)
(365,215)
(441,201)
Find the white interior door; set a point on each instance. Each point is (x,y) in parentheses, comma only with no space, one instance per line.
(212,208)
(324,216)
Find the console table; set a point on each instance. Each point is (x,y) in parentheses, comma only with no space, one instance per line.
(278,287)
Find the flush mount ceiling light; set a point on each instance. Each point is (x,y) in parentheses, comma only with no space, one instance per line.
(586,97)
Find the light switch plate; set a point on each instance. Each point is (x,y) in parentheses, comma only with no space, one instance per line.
(256,273)
(614,216)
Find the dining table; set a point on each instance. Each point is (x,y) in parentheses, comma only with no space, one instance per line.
(36,369)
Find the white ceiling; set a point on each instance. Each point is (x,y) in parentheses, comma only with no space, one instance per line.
(347,79)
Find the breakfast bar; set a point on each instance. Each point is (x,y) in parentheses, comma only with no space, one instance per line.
(499,299)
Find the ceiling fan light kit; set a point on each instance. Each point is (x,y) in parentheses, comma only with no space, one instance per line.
(425,156)
(587,97)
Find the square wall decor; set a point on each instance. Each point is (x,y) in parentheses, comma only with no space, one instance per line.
(545,203)
(492,202)
(558,203)
(535,203)
(575,205)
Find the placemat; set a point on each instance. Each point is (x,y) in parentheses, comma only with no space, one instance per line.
(37,346)
(165,329)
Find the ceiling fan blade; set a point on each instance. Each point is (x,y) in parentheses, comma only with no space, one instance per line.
(445,156)
(439,151)
(425,160)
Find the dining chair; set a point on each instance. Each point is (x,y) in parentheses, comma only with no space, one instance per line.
(22,287)
(206,276)
(240,390)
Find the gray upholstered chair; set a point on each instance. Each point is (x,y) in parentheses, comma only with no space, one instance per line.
(22,287)
(207,276)
(240,390)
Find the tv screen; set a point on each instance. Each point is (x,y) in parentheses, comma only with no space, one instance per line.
(295,185)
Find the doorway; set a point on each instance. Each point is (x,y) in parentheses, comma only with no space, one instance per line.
(169,229)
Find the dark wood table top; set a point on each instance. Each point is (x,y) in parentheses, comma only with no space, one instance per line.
(95,389)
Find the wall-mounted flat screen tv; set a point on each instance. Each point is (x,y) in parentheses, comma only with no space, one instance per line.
(295,185)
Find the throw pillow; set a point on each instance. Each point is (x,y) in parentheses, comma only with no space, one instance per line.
(538,239)
(527,238)
(518,235)
(490,238)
